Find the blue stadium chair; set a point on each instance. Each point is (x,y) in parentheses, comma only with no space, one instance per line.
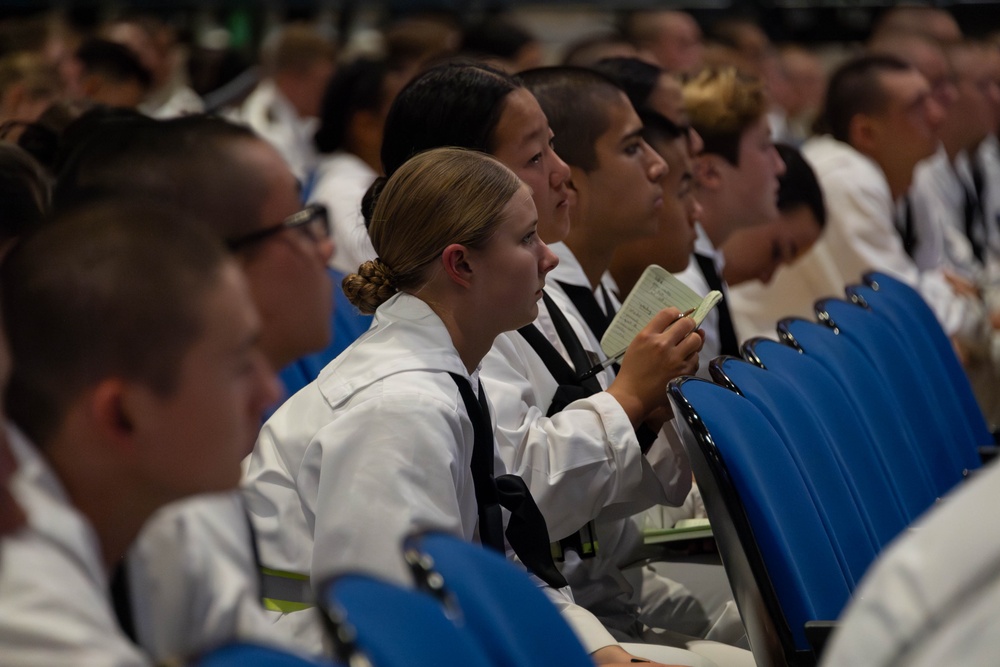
(391,626)
(900,474)
(936,417)
(781,563)
(912,317)
(859,510)
(873,398)
(504,609)
(256,655)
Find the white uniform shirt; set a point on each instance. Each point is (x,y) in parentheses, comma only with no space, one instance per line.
(342,179)
(55,606)
(598,582)
(932,597)
(194,582)
(275,120)
(377,448)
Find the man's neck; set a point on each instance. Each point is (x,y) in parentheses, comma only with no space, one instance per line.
(594,257)
(104,499)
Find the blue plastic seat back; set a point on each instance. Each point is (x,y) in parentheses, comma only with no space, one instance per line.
(860,517)
(794,563)
(397,627)
(257,655)
(876,466)
(872,397)
(502,605)
(944,436)
(912,317)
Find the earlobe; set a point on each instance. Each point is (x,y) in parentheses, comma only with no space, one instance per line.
(112,411)
(455,259)
(706,172)
(861,132)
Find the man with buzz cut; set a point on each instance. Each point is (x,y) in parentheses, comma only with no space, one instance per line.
(137,381)
(882,119)
(616,180)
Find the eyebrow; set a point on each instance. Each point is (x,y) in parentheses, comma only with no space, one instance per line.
(637,133)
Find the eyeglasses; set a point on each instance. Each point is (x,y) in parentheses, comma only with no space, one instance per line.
(311,221)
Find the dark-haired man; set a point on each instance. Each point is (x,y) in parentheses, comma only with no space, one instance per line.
(883,119)
(137,382)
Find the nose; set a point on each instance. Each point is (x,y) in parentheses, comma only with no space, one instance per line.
(779,164)
(695,212)
(559,176)
(695,143)
(325,248)
(548,259)
(935,113)
(656,168)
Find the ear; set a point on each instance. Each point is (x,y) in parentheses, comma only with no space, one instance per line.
(455,259)
(707,172)
(111,407)
(862,133)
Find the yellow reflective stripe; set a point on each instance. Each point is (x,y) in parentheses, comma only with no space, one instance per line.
(284,606)
(284,574)
(285,591)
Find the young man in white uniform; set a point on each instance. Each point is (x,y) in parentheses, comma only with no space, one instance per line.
(123,404)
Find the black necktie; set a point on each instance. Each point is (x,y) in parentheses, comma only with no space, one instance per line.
(904,225)
(975,228)
(526,529)
(585,301)
(728,343)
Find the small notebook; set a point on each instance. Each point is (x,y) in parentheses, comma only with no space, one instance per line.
(657,289)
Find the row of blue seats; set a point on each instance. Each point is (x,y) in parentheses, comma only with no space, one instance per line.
(813,453)
(469,607)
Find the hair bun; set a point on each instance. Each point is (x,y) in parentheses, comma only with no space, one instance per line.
(370,287)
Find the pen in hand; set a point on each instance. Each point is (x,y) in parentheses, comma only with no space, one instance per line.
(618,357)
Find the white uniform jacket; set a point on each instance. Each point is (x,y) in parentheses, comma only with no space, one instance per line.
(932,597)
(55,606)
(193,580)
(599,580)
(584,460)
(860,236)
(377,448)
(341,181)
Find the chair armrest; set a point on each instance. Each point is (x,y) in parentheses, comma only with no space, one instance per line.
(818,633)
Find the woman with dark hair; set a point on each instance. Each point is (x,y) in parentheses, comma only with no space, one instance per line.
(572,439)
(349,139)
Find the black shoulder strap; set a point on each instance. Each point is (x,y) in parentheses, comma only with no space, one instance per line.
(526,529)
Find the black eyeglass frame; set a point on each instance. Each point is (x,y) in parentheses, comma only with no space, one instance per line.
(306,216)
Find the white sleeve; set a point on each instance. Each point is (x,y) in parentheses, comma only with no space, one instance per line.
(387,468)
(587,628)
(193,579)
(580,460)
(52,613)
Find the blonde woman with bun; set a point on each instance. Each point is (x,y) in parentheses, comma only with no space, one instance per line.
(379,446)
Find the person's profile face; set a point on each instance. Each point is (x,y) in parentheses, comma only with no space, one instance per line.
(522,140)
(754,181)
(194,438)
(908,127)
(622,194)
(287,272)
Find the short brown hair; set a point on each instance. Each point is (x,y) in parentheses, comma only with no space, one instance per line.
(722,104)
(110,290)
